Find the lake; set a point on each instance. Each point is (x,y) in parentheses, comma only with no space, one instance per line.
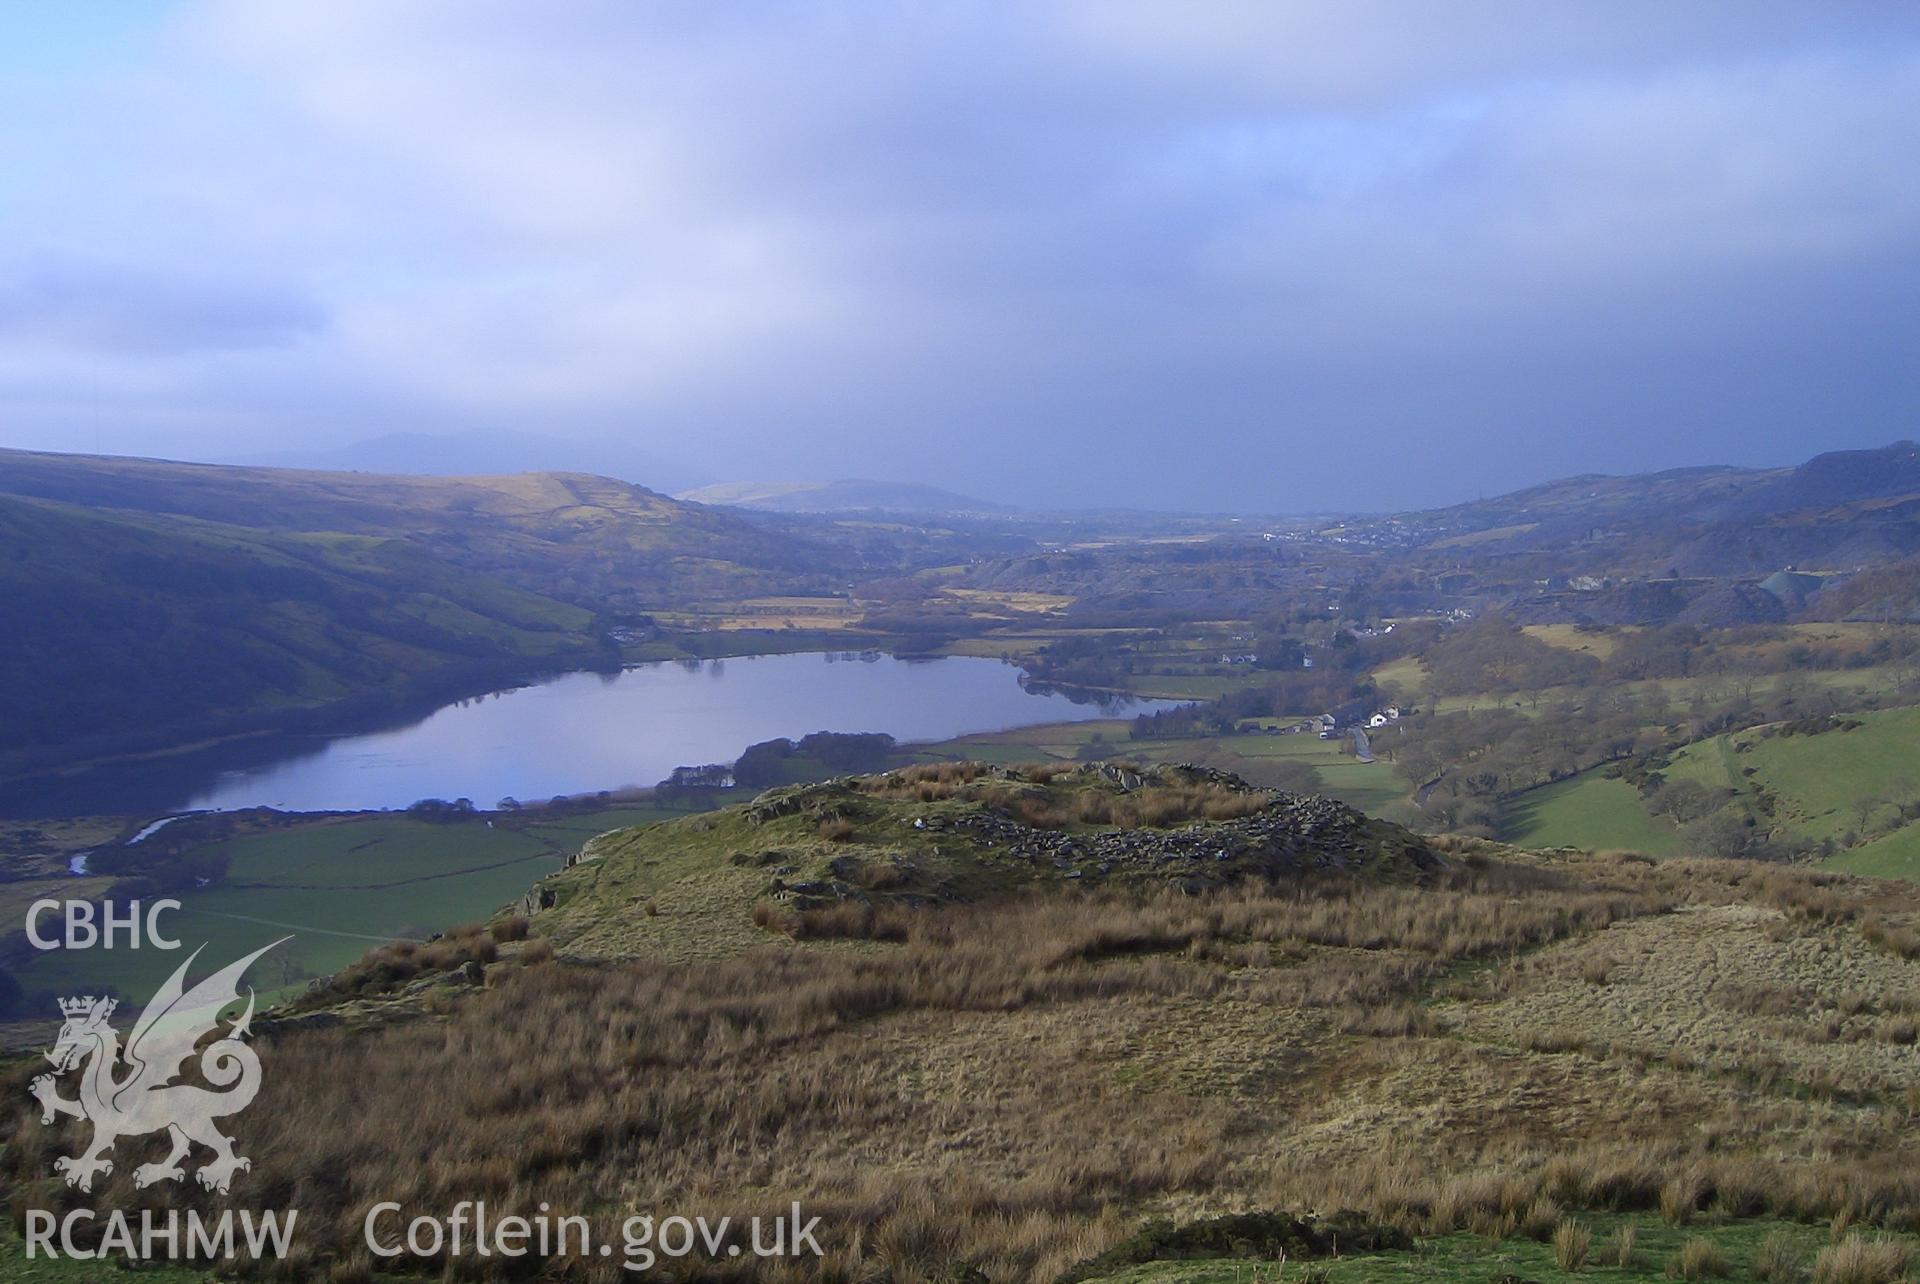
(578,734)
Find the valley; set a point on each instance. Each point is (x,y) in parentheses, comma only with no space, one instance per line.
(1092,643)
(1343,866)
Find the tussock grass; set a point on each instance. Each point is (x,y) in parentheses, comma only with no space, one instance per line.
(1806,894)
(1897,939)
(1621,1247)
(1541,1219)
(390,967)
(1572,1240)
(1860,1260)
(1778,1259)
(1699,1259)
(1682,1196)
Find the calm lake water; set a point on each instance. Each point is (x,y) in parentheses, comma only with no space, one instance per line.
(581,733)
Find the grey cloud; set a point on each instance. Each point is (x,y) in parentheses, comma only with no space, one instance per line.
(1198,254)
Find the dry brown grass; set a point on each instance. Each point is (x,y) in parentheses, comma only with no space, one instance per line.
(1894,938)
(1778,1259)
(1699,1259)
(1681,1197)
(1541,1219)
(1013,1086)
(1860,1260)
(388,968)
(1572,1241)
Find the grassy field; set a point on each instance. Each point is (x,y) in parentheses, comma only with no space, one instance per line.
(1024,603)
(812,613)
(1623,1250)
(1848,687)
(1491,535)
(1193,686)
(339,887)
(1588,810)
(1405,675)
(1828,785)
(1597,643)
(1474,1259)
(1836,786)
(1897,855)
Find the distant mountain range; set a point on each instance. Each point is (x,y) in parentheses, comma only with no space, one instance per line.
(847,496)
(488,453)
(1837,512)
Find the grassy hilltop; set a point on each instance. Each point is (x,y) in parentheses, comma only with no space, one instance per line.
(857,857)
(1030,1023)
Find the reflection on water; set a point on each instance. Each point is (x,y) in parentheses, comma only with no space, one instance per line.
(582,732)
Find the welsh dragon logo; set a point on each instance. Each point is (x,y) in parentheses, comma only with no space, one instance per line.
(126,1093)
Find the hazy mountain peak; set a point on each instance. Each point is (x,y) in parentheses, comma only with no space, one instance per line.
(846,495)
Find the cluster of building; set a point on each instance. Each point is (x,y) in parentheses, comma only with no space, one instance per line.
(1328,726)
(1354,713)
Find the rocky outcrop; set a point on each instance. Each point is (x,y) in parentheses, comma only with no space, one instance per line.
(1294,834)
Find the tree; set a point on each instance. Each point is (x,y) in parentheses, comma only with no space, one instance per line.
(1278,652)
(763,765)
(1864,807)
(1728,832)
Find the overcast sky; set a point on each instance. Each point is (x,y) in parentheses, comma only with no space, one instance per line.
(1263,256)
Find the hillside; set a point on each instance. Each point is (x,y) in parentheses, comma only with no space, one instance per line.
(1573,506)
(124,627)
(152,603)
(1707,496)
(1831,480)
(569,535)
(495,452)
(917,1004)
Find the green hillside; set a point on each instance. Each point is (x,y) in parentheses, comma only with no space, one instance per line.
(153,603)
(1835,780)
(126,626)
(1845,789)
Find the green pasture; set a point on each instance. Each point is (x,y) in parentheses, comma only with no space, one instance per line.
(1826,785)
(1474,1259)
(339,887)
(1895,855)
(1587,810)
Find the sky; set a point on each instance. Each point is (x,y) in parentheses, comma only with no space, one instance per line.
(1205,255)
